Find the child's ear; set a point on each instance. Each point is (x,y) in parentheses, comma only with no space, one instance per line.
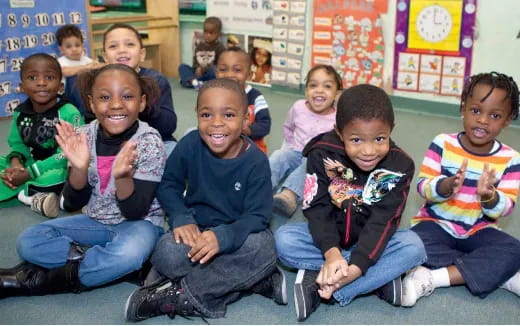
(60,48)
(105,59)
(142,105)
(508,121)
(21,87)
(62,88)
(142,54)
(90,103)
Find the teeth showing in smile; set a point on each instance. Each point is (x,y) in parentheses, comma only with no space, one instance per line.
(117,117)
(319,99)
(479,132)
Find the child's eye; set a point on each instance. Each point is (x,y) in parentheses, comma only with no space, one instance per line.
(31,77)
(355,140)
(205,115)
(475,110)
(128,97)
(495,116)
(49,77)
(229,115)
(380,139)
(104,98)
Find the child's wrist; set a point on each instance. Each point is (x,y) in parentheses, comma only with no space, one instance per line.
(484,200)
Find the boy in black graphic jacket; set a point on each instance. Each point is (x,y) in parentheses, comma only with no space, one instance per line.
(355,191)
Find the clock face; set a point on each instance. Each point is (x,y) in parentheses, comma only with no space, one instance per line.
(434,23)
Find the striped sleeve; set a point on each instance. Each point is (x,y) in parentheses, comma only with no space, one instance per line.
(431,171)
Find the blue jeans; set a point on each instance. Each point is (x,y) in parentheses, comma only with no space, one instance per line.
(187,74)
(404,251)
(486,259)
(116,249)
(291,165)
(210,287)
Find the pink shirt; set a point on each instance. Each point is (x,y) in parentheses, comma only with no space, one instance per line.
(302,125)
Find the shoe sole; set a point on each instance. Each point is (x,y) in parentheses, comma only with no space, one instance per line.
(50,206)
(299,298)
(398,291)
(127,306)
(284,287)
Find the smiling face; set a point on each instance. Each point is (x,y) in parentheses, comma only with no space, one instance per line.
(121,45)
(366,142)
(233,65)
(261,56)
(483,121)
(116,100)
(221,116)
(72,48)
(41,81)
(320,92)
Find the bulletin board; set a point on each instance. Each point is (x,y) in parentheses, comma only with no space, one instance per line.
(288,42)
(433,45)
(28,27)
(348,35)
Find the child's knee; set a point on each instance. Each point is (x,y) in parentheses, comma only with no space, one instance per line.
(412,245)
(283,240)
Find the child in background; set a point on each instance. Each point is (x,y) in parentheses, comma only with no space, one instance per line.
(469,181)
(221,245)
(73,58)
(205,56)
(355,192)
(261,61)
(234,63)
(35,170)
(306,119)
(116,163)
(123,44)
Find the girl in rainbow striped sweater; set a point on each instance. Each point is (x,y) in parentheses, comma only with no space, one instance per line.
(469,180)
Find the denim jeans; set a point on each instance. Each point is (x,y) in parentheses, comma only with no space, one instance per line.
(404,251)
(486,259)
(187,73)
(291,165)
(116,249)
(210,287)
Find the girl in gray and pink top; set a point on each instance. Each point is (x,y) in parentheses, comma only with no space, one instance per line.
(306,119)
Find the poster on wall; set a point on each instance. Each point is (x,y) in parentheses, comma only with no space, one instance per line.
(260,51)
(28,27)
(349,36)
(433,45)
(288,42)
(250,16)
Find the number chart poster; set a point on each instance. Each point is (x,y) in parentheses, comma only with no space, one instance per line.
(28,27)
(348,35)
(433,45)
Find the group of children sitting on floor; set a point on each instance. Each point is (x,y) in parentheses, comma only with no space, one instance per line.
(125,172)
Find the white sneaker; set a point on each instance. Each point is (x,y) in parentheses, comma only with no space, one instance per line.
(513,284)
(417,283)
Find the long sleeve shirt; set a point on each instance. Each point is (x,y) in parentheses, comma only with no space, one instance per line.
(461,214)
(302,125)
(232,197)
(259,118)
(373,200)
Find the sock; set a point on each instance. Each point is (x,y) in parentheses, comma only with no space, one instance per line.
(27,200)
(441,277)
(513,284)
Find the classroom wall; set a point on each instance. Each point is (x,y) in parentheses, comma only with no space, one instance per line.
(496,44)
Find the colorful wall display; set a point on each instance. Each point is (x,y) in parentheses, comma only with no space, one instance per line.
(433,45)
(27,27)
(348,35)
(251,16)
(288,42)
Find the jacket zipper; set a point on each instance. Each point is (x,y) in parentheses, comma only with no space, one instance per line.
(347,224)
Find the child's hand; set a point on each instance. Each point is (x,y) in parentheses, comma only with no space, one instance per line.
(486,184)
(205,247)
(73,145)
(14,176)
(124,164)
(334,268)
(452,185)
(186,234)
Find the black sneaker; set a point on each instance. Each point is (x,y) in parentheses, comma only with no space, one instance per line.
(157,299)
(274,286)
(306,297)
(391,292)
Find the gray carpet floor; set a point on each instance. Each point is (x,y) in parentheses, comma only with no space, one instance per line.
(413,132)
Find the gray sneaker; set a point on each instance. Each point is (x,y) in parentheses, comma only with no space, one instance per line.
(306,297)
(46,204)
(391,292)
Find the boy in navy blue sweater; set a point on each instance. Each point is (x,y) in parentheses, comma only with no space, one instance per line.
(221,245)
